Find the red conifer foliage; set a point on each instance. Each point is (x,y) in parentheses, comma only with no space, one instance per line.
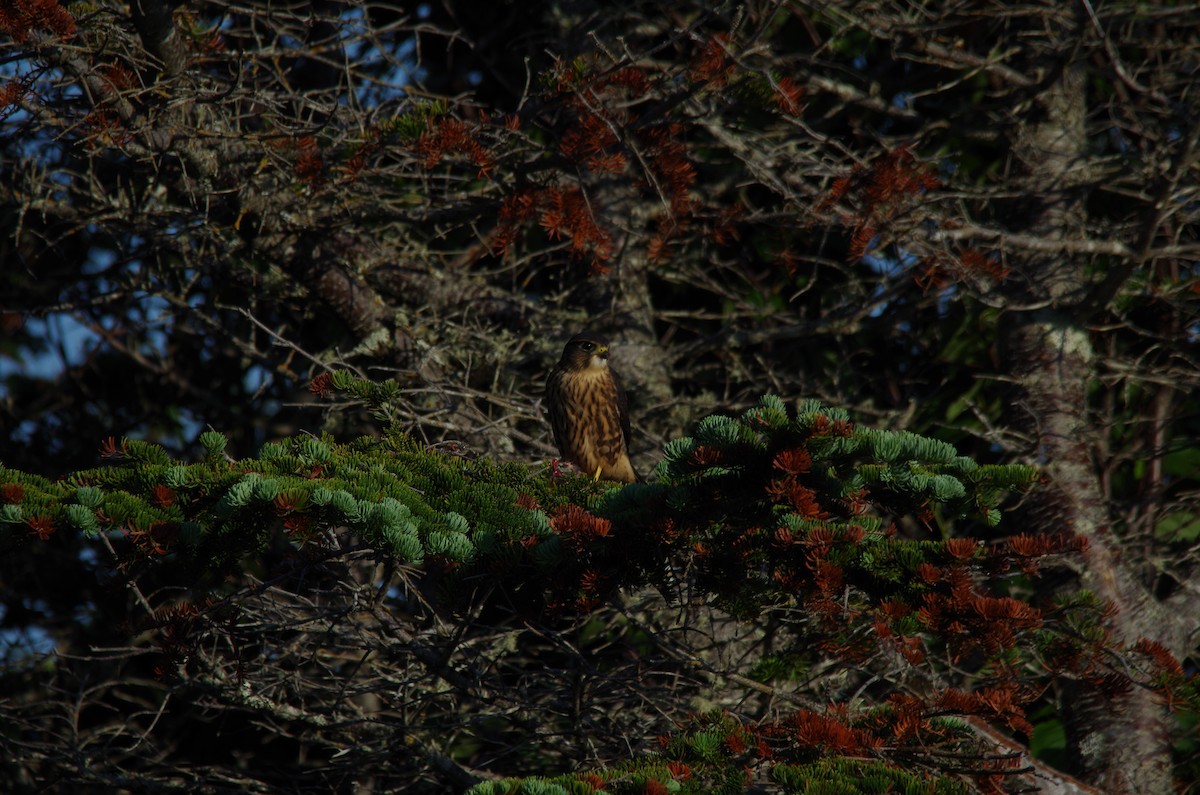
(453,136)
(576,525)
(164,496)
(20,18)
(41,526)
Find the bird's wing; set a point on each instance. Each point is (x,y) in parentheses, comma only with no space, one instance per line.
(622,408)
(557,409)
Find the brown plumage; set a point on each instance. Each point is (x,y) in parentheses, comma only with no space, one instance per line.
(588,411)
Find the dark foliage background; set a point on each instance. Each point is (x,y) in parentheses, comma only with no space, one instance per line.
(972,221)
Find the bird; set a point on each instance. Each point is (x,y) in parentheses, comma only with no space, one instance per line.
(589,413)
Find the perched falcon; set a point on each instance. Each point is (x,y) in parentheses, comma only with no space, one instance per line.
(588,411)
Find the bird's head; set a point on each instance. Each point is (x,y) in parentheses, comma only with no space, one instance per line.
(584,351)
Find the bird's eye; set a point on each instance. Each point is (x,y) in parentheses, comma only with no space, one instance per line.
(587,346)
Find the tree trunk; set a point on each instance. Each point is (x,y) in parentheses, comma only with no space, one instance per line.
(1118,744)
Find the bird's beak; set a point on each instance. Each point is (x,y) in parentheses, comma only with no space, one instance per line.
(602,351)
